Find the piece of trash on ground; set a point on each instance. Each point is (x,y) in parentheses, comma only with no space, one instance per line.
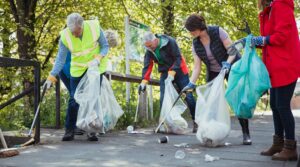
(227,144)
(209,158)
(164,139)
(182,145)
(136,132)
(130,129)
(193,150)
(179,154)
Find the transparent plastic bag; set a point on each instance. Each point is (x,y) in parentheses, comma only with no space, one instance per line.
(174,122)
(212,114)
(87,95)
(110,107)
(248,80)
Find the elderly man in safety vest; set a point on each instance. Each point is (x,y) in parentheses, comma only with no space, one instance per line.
(88,45)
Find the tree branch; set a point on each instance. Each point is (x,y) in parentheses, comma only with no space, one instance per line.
(14,10)
(50,52)
(125,8)
(145,9)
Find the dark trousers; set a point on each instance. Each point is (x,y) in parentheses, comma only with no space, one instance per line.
(280,99)
(67,82)
(73,107)
(243,122)
(181,80)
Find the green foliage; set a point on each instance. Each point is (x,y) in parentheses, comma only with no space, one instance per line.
(49,18)
(48,108)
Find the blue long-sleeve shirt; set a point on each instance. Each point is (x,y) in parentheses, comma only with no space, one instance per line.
(63,51)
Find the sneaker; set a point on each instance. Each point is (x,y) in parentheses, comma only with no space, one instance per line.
(69,135)
(246,139)
(78,131)
(92,137)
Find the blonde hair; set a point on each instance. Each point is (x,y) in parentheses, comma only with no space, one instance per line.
(112,38)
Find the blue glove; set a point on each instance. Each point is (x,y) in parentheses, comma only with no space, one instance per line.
(189,87)
(257,41)
(226,66)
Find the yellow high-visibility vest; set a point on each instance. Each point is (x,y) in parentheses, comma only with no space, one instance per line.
(83,50)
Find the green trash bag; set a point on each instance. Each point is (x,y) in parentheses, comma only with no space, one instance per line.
(248,80)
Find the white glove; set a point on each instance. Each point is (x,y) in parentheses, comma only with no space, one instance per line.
(93,63)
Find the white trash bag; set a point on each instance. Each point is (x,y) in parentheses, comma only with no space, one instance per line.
(212,114)
(173,122)
(87,95)
(110,107)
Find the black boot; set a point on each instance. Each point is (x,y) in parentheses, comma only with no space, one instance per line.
(195,127)
(92,137)
(69,135)
(245,129)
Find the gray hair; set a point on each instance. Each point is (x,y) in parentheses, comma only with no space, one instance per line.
(74,20)
(148,36)
(112,38)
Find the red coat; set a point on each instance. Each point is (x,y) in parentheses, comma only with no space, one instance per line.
(282,55)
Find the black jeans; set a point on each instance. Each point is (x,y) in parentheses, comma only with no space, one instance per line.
(280,99)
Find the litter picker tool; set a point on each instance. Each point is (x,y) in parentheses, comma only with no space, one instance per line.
(137,109)
(246,29)
(37,110)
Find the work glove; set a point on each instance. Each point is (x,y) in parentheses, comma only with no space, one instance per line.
(189,87)
(50,80)
(257,41)
(171,75)
(226,66)
(93,63)
(142,86)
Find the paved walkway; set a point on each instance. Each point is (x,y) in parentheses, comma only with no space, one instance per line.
(121,149)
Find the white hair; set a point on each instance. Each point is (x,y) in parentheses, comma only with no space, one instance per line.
(74,20)
(112,38)
(148,36)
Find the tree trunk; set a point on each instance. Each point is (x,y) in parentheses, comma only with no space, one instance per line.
(168,16)
(24,14)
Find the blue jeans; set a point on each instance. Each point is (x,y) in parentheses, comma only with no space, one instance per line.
(67,82)
(181,80)
(65,79)
(280,100)
(73,107)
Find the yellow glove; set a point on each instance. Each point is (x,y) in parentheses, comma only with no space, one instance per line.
(50,80)
(171,75)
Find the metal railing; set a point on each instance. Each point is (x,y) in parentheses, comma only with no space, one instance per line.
(10,62)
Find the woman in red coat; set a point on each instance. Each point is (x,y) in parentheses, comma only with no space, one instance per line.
(280,45)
